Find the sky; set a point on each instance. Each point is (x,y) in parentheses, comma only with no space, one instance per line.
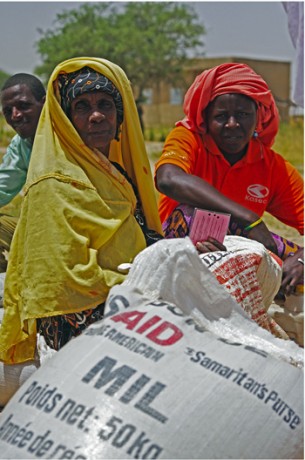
(242,29)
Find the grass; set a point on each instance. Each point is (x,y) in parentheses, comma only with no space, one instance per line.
(156,134)
(6,133)
(290,142)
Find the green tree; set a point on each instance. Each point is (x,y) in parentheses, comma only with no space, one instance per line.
(150,40)
(3,77)
(78,32)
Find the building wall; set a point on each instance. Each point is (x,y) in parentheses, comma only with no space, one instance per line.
(159,111)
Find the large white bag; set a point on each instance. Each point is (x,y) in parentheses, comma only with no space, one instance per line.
(150,381)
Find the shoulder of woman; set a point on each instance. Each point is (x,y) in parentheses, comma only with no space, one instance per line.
(184,135)
(278,159)
(283,171)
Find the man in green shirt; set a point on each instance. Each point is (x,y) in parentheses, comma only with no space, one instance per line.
(22,97)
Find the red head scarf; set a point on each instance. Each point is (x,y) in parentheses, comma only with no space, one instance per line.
(231,78)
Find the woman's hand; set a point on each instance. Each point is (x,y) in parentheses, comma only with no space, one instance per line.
(293,272)
(210,245)
(261,234)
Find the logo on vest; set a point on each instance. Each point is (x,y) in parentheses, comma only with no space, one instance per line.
(257,193)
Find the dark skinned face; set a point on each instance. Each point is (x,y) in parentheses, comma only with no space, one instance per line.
(21,110)
(231,121)
(94,117)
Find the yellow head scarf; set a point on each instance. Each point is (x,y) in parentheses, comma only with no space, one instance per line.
(77,221)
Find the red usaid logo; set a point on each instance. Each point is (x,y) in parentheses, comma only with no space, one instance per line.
(257,193)
(165,333)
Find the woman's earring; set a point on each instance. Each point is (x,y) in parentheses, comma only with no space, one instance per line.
(255,134)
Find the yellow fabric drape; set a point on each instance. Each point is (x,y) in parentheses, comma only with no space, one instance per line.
(77,223)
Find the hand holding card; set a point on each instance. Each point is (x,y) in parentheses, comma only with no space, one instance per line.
(208,223)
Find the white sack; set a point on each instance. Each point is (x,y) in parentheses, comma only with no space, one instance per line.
(13,376)
(269,272)
(173,271)
(251,275)
(151,382)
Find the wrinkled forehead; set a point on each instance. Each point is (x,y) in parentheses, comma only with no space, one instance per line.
(93,95)
(234,101)
(16,93)
(87,80)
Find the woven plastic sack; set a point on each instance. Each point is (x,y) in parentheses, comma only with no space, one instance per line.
(154,380)
(252,275)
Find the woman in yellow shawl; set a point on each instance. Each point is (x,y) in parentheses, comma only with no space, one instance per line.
(88,204)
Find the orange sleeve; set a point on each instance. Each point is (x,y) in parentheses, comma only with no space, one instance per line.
(179,149)
(287,203)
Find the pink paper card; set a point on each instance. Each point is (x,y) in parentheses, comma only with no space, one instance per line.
(208,223)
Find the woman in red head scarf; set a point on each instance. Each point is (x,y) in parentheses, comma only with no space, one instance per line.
(219,158)
(231,79)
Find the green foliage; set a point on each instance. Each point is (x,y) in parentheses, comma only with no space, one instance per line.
(290,142)
(149,40)
(85,31)
(154,40)
(6,134)
(3,77)
(151,135)
(157,134)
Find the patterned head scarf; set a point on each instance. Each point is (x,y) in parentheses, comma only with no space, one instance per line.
(86,80)
(231,78)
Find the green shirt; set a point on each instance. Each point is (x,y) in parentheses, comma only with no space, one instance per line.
(14,168)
